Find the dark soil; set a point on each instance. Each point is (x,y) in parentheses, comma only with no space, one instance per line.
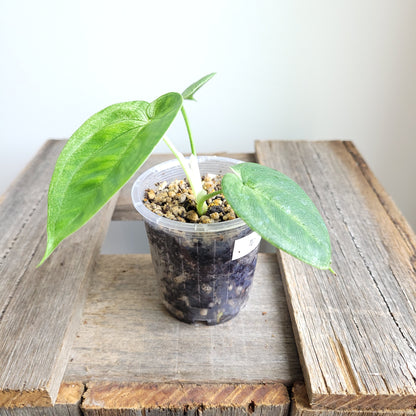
(199,280)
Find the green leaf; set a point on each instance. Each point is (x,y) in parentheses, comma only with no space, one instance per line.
(280,211)
(188,94)
(100,158)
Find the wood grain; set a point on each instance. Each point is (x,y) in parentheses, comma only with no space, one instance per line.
(401,224)
(127,335)
(67,404)
(40,308)
(356,332)
(300,407)
(189,399)
(125,210)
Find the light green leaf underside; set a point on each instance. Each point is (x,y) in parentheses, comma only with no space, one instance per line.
(100,157)
(280,211)
(188,94)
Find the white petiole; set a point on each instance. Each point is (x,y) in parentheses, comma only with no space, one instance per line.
(192,172)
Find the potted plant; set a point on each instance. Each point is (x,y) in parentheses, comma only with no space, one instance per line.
(205,268)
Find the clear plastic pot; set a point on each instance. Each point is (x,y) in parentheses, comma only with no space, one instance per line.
(205,270)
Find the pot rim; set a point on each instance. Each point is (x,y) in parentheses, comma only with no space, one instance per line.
(148,215)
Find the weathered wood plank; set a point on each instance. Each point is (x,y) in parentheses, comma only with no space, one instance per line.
(190,399)
(301,407)
(20,203)
(40,308)
(125,211)
(401,224)
(67,403)
(127,335)
(356,332)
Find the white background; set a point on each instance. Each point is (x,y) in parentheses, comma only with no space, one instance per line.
(307,70)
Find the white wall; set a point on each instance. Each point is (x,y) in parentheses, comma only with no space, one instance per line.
(312,69)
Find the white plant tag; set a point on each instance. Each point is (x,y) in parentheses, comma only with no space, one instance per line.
(245,245)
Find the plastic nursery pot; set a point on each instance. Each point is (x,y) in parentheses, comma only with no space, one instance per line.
(205,270)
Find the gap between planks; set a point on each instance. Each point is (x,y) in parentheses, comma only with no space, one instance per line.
(40,307)
(355,350)
(68,403)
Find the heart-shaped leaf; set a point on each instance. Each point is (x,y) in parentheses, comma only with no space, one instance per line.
(188,94)
(100,158)
(280,211)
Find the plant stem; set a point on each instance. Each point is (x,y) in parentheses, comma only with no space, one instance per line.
(175,152)
(201,204)
(188,128)
(193,174)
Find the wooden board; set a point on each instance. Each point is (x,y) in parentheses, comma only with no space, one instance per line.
(186,399)
(40,308)
(67,404)
(125,211)
(126,334)
(356,332)
(301,407)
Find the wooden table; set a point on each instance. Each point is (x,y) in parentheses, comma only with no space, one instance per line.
(86,333)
